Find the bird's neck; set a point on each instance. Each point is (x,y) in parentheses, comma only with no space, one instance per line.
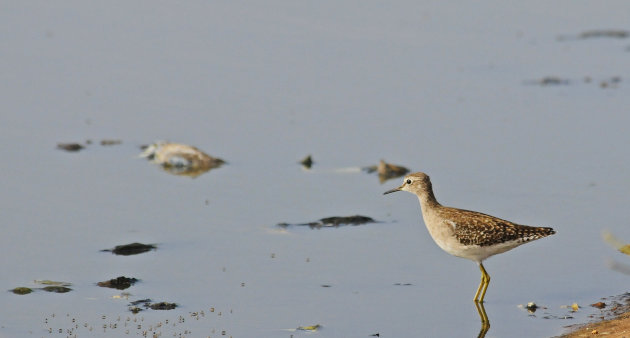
(427,199)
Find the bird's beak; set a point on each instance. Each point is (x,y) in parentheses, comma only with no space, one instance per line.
(393,190)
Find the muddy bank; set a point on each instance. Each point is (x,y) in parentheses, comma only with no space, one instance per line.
(617,327)
(613,321)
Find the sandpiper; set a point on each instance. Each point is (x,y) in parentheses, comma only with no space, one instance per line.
(468,234)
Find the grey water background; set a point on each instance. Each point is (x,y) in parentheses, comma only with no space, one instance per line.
(441,87)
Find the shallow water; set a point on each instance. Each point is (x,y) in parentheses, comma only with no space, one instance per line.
(441,88)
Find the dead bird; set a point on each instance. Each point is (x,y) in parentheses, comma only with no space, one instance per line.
(181,159)
(386,170)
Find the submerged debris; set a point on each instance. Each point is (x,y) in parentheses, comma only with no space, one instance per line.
(146,303)
(56,289)
(599,305)
(122,295)
(549,81)
(54,286)
(387,171)
(613,82)
(71,147)
(22,290)
(162,306)
(531,307)
(340,220)
(596,34)
(119,283)
(334,221)
(553,81)
(307,162)
(310,328)
(181,159)
(133,306)
(51,282)
(107,142)
(606,33)
(573,307)
(608,82)
(131,249)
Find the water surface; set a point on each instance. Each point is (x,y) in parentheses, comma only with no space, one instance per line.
(444,88)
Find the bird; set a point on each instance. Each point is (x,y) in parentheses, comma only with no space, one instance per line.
(468,234)
(181,159)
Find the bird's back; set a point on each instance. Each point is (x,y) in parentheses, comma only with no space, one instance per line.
(475,235)
(475,228)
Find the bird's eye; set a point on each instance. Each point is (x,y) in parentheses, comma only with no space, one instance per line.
(408,181)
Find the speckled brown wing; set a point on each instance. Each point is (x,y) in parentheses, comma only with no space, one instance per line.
(475,228)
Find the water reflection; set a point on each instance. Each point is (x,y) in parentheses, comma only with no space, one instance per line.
(485,322)
(184,171)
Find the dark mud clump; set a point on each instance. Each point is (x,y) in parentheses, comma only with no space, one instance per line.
(51,286)
(133,306)
(71,147)
(131,249)
(119,283)
(162,306)
(353,220)
(56,289)
(147,304)
(334,221)
(307,162)
(22,290)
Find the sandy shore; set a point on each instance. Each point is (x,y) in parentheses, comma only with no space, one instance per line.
(616,327)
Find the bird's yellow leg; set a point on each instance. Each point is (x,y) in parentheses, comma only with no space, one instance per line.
(481,284)
(485,281)
(479,289)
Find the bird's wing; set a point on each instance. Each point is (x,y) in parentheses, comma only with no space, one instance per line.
(475,228)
